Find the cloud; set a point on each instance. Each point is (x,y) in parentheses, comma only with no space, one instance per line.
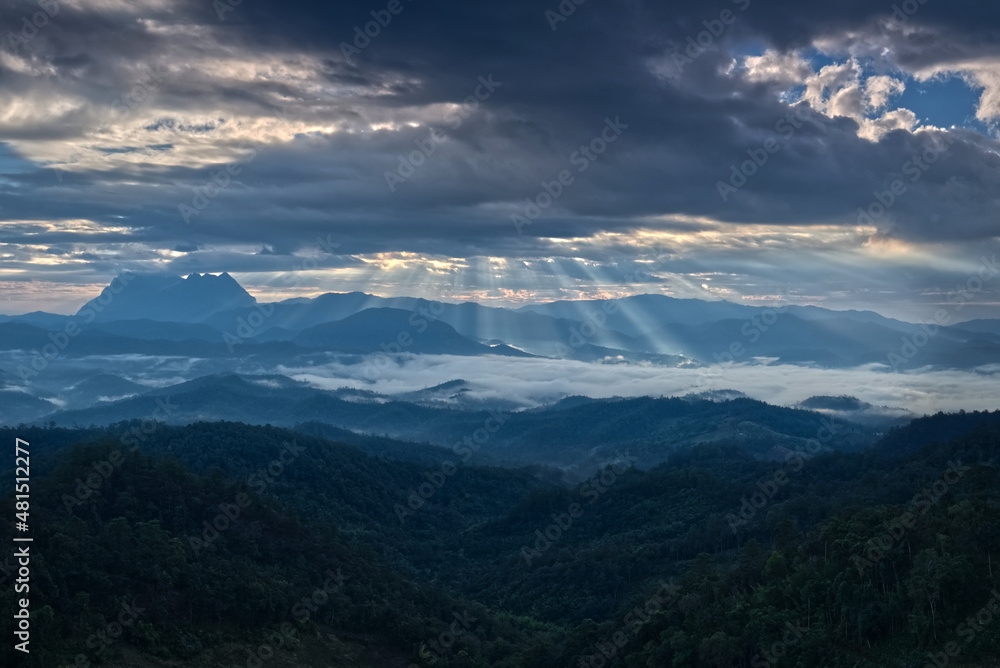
(841,90)
(784,69)
(118,114)
(534,382)
(983,74)
(879,89)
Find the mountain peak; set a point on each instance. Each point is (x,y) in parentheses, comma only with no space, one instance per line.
(167,298)
(224,277)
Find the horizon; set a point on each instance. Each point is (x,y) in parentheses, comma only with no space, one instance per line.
(844,159)
(762,303)
(66,299)
(397,333)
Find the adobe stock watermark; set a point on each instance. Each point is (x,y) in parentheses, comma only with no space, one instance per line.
(222,179)
(138,93)
(414,160)
(217,182)
(420,319)
(436,649)
(302,610)
(740,174)
(714,29)
(751,331)
(919,505)
(973,625)
(914,168)
(60,341)
(595,321)
(901,15)
(8,567)
(913,343)
(591,490)
(581,159)
(230,513)
(565,9)
(31,25)
(372,29)
(640,614)
(770,656)
(100,471)
(223,7)
(248,327)
(435,479)
(109,635)
(769,486)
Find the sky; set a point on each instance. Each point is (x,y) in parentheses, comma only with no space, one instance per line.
(840,154)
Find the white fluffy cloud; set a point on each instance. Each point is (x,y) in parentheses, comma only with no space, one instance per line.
(879,89)
(533,382)
(780,68)
(839,89)
(983,73)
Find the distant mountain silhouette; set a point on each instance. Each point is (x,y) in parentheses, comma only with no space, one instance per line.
(839,403)
(214,317)
(16,407)
(574,435)
(640,314)
(301,313)
(38,319)
(980,326)
(158,330)
(393,330)
(167,298)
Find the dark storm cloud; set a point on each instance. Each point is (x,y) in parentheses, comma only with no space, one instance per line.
(612,60)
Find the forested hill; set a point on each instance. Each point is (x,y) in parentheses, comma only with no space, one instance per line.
(577,433)
(324,555)
(938,428)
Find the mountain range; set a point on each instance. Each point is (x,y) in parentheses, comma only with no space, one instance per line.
(149,333)
(550,517)
(155,309)
(574,435)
